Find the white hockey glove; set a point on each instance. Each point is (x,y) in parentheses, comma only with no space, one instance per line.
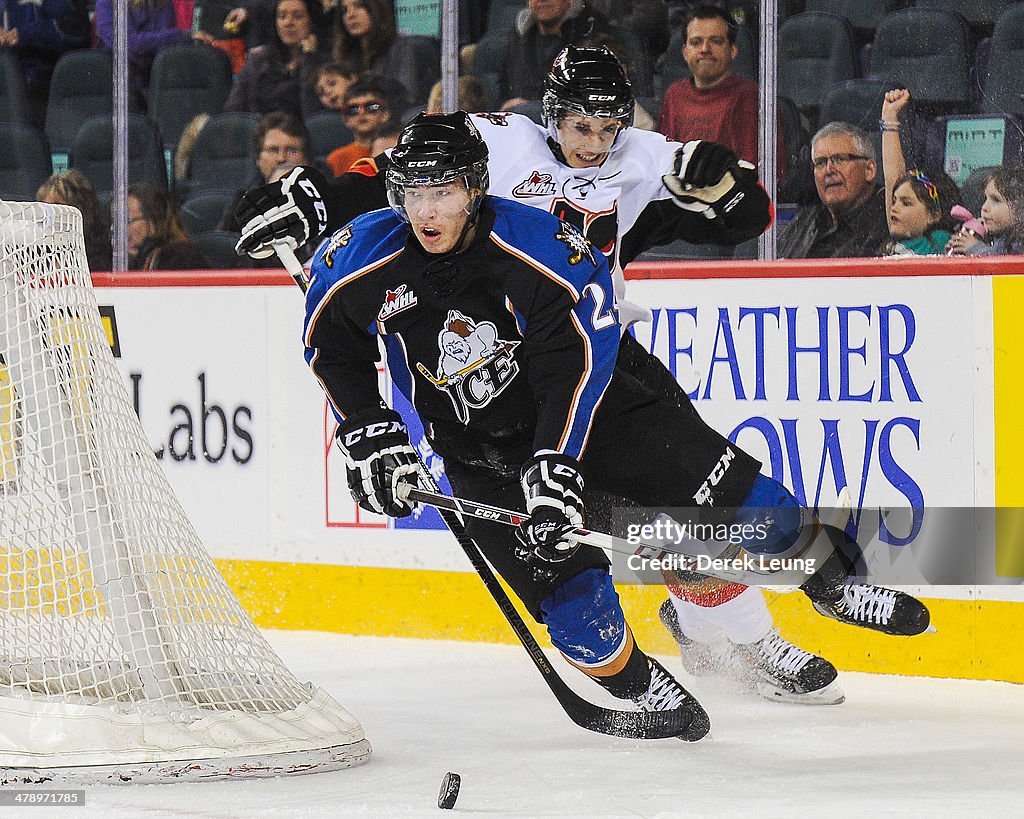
(707,177)
(290,210)
(553,487)
(378,456)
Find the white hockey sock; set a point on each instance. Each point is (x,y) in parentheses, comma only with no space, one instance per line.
(693,625)
(744,619)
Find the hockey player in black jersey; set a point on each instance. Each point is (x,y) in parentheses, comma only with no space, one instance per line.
(630,190)
(499,324)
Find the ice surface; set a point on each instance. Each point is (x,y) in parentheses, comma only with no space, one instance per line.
(899,746)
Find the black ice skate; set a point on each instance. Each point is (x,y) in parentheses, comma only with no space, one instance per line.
(874,607)
(664,693)
(773,667)
(779,670)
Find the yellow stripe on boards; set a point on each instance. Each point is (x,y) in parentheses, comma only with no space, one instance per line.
(1008,364)
(971,641)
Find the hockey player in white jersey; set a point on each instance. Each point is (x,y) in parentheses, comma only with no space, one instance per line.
(626,190)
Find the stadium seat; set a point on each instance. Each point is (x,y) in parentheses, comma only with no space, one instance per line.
(816,49)
(488,59)
(858,102)
(501,16)
(926,51)
(219,247)
(92,152)
(532,109)
(223,154)
(863,15)
(81,87)
(673,67)
(12,88)
(426,64)
(641,64)
(202,211)
(979,13)
(799,182)
(187,80)
(1004,74)
(327,131)
(24,161)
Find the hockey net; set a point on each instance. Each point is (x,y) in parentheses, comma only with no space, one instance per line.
(124,656)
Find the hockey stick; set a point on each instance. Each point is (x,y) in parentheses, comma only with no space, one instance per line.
(681,560)
(626,724)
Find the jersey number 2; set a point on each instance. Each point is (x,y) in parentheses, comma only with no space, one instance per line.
(601,319)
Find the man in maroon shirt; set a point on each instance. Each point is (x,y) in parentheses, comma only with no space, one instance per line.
(714,103)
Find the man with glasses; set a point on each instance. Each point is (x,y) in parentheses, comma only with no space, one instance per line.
(280,139)
(850,217)
(366,111)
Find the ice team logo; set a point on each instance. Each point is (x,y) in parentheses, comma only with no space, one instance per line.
(538,184)
(339,240)
(395,301)
(474,366)
(579,247)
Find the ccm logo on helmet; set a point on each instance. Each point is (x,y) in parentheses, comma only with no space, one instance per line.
(600,97)
(423,163)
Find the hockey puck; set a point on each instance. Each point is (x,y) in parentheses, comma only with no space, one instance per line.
(449,790)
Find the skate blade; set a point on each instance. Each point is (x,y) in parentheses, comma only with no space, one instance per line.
(831,694)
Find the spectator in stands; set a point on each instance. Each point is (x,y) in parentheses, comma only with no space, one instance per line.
(280,137)
(153,226)
(1002,214)
(714,103)
(38,33)
(920,222)
(542,30)
(73,188)
(366,42)
(279,76)
(849,218)
(472,98)
(332,81)
(151,27)
(365,111)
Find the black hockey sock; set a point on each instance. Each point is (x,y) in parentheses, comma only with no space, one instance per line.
(632,680)
(844,563)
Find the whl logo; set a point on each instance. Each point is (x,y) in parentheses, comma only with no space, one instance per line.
(539,184)
(396,301)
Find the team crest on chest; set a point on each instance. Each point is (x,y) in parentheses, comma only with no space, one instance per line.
(474,366)
(579,247)
(395,301)
(537,184)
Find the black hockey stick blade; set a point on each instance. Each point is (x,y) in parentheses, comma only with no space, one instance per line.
(626,724)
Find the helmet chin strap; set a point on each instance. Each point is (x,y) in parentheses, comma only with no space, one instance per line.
(556,149)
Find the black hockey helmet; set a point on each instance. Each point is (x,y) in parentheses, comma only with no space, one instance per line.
(435,149)
(590,82)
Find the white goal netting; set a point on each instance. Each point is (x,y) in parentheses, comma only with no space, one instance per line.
(123,653)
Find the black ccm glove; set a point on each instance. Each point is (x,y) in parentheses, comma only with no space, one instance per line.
(291,210)
(378,456)
(554,498)
(707,177)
